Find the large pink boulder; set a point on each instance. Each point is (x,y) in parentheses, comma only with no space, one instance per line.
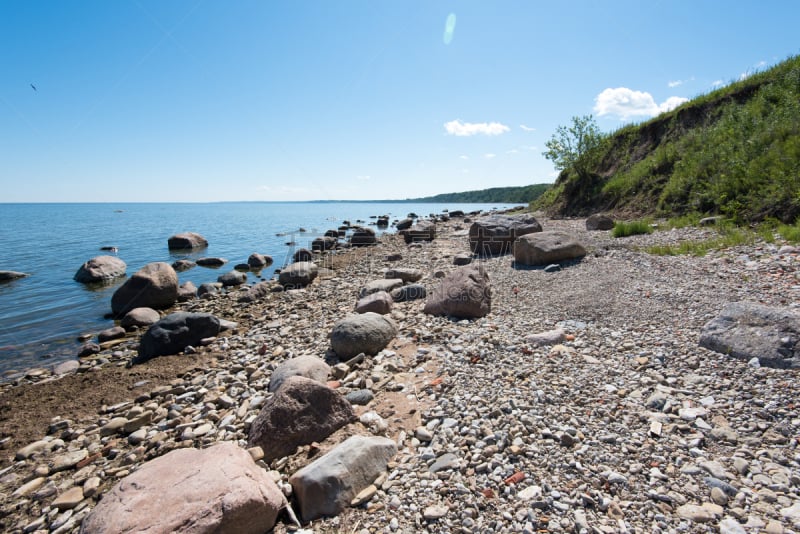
(300,412)
(153,286)
(192,491)
(464,293)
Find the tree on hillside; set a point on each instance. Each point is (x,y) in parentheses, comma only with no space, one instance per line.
(572,147)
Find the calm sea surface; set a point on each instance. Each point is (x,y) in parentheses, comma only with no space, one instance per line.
(42,315)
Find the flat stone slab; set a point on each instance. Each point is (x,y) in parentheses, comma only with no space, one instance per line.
(747,330)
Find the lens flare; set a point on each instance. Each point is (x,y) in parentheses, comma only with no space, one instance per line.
(449,28)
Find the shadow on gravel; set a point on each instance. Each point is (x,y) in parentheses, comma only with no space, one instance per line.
(545,268)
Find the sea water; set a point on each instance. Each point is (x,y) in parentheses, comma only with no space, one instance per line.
(42,315)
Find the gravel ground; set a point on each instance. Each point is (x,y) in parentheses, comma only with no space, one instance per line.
(620,423)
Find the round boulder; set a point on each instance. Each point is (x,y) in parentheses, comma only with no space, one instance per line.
(100,269)
(599,222)
(153,286)
(307,366)
(367,332)
(187,241)
(257,261)
(139,317)
(302,254)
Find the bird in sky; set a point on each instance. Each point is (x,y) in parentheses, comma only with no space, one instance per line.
(34,87)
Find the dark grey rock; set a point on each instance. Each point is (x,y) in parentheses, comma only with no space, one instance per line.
(326,486)
(360,397)
(496,234)
(409,292)
(174,332)
(404,224)
(187,241)
(544,248)
(324,243)
(302,254)
(211,262)
(462,259)
(362,236)
(599,221)
(7,276)
(747,330)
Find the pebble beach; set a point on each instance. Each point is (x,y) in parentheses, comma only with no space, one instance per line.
(581,403)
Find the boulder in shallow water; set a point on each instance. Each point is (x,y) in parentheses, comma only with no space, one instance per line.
(187,241)
(183,265)
(7,276)
(258,261)
(100,269)
(211,262)
(153,286)
(233,278)
(174,332)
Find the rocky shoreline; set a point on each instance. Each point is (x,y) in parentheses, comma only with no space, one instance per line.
(581,402)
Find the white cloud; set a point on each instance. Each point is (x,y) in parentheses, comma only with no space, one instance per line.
(626,103)
(676,83)
(512,151)
(717,83)
(363,177)
(490,156)
(463,129)
(527,128)
(463,157)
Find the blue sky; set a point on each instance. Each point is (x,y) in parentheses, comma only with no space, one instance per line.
(200,100)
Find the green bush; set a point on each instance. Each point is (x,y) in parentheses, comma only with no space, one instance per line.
(625,229)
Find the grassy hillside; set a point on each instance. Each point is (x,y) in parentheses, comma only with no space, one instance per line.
(734,151)
(521,195)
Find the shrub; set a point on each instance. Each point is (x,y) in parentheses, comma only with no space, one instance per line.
(625,229)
